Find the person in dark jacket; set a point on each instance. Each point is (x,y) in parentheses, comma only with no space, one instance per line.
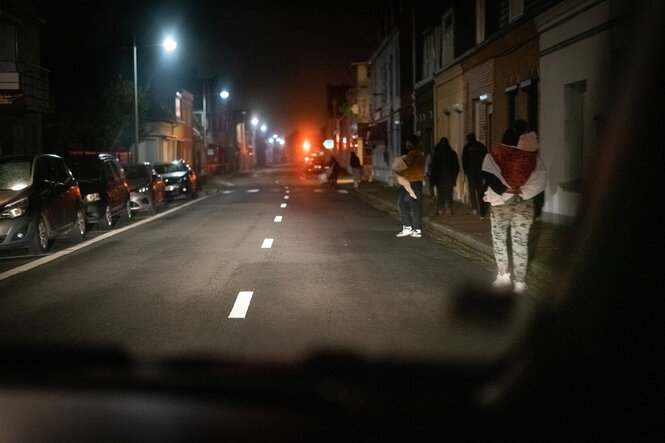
(335,167)
(473,155)
(445,168)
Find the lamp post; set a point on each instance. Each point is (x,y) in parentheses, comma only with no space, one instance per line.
(169,44)
(255,122)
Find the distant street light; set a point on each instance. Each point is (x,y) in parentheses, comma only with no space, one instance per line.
(169,44)
(224,94)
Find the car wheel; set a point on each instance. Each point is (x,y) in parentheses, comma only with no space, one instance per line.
(78,230)
(152,206)
(106,221)
(40,241)
(127,213)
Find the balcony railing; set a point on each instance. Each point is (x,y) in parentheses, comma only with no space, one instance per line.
(24,87)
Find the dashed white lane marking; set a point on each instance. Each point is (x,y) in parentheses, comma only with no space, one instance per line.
(241,305)
(318,190)
(51,257)
(283,205)
(267,243)
(287,191)
(342,191)
(252,191)
(286,197)
(226,191)
(278,219)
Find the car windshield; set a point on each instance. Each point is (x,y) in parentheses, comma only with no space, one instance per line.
(134,171)
(166,168)
(15,174)
(86,169)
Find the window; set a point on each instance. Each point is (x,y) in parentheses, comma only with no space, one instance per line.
(447,40)
(511,95)
(516,9)
(429,53)
(480,21)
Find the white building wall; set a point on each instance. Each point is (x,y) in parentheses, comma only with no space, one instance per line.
(386,104)
(568,57)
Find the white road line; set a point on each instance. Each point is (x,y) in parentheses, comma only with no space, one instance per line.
(241,305)
(278,219)
(252,191)
(226,191)
(51,257)
(283,205)
(342,191)
(287,191)
(286,197)
(318,190)
(267,243)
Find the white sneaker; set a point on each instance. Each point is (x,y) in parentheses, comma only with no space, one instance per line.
(416,233)
(519,287)
(502,281)
(405,232)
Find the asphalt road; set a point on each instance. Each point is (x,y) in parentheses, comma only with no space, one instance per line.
(271,266)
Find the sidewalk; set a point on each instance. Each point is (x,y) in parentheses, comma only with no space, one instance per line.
(549,244)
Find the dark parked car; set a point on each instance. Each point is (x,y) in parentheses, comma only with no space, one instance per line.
(104,188)
(179,178)
(146,187)
(40,200)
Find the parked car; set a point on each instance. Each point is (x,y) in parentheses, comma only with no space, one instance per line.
(40,200)
(315,163)
(179,178)
(146,188)
(104,188)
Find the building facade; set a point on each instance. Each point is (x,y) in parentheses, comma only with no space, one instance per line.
(25,94)
(549,62)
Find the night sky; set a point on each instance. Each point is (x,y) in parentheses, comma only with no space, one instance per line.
(274,59)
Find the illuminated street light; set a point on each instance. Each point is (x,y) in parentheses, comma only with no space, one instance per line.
(170,44)
(224,94)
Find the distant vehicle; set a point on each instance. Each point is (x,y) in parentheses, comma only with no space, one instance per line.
(146,188)
(179,178)
(40,200)
(315,163)
(104,188)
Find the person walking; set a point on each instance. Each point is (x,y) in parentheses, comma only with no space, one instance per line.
(356,169)
(515,174)
(445,168)
(410,171)
(428,173)
(334,166)
(473,155)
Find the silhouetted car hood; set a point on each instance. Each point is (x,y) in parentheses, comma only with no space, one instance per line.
(6,196)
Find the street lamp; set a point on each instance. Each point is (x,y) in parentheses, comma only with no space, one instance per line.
(169,44)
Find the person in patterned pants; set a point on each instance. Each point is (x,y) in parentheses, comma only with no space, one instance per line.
(515,174)
(516,216)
